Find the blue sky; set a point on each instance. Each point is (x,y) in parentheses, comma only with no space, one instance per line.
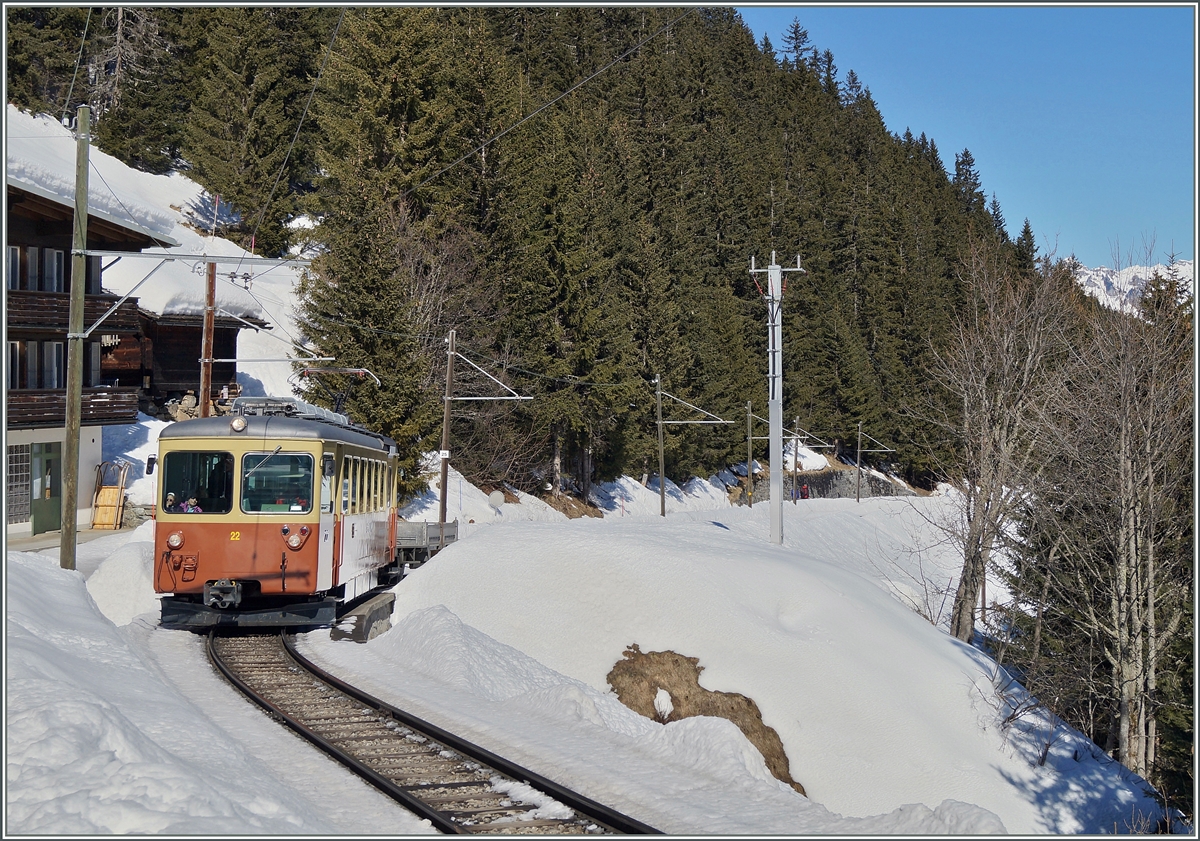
(1079,118)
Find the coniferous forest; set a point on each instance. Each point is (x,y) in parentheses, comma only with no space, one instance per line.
(578,193)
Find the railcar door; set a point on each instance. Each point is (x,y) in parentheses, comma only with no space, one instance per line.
(325,549)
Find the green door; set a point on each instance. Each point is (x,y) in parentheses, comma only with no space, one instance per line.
(45,480)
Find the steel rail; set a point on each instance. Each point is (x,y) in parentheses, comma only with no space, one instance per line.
(584,807)
(597,812)
(436,818)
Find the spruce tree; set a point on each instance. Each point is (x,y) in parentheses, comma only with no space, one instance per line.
(255,80)
(797,45)
(43,44)
(1025,251)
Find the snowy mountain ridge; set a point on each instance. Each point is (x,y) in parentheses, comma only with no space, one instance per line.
(1123,289)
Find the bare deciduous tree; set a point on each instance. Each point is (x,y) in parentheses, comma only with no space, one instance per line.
(1004,350)
(1123,422)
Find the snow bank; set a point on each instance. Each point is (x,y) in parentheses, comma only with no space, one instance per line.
(850,677)
(99,743)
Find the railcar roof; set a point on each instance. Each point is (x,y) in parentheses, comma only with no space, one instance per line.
(274,426)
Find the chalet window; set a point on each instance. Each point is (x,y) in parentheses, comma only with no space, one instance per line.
(13,371)
(45,364)
(55,267)
(93,276)
(12,267)
(33,265)
(31,364)
(18,484)
(54,368)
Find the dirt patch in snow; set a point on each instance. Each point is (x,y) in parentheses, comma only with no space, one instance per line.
(571,506)
(640,680)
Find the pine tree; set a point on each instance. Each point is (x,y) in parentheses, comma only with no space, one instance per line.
(997,216)
(967,184)
(144,125)
(1026,250)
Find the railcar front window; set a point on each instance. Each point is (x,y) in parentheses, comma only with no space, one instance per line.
(277,483)
(197,483)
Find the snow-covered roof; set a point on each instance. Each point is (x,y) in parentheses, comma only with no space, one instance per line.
(40,158)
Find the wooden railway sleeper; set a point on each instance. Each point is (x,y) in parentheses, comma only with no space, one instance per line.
(463,784)
(466,797)
(491,827)
(492,810)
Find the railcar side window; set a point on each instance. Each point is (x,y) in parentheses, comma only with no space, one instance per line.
(277,483)
(326,494)
(197,482)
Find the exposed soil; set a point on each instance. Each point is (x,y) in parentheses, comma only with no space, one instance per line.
(571,506)
(638,677)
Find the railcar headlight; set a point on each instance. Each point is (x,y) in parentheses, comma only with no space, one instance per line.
(238,423)
(175,539)
(295,541)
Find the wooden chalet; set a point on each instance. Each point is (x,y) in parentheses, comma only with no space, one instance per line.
(39,229)
(163,358)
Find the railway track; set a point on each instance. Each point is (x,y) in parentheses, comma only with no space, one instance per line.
(458,786)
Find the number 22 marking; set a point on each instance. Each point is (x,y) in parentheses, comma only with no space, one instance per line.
(235,535)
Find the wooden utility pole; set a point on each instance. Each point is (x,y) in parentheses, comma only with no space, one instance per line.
(749,455)
(445,454)
(662,481)
(858,466)
(206,348)
(74,410)
(795,462)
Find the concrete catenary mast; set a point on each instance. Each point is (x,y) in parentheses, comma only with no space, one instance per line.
(774,298)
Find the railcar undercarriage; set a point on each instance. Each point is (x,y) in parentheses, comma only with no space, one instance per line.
(189,613)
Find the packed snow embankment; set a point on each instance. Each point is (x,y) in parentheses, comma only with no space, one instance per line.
(88,722)
(877,709)
(509,637)
(698,774)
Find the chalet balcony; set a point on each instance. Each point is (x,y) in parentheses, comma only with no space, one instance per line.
(31,408)
(49,312)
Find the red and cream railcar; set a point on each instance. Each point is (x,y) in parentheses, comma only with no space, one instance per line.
(274,515)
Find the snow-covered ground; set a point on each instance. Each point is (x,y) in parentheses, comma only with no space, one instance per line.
(508,636)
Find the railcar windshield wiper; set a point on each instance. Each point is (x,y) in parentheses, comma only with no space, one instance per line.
(251,471)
